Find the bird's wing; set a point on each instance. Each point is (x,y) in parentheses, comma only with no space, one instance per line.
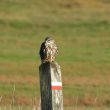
(42,51)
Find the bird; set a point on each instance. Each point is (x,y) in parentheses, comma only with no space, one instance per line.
(48,50)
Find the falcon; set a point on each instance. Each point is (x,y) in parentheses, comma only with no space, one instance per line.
(48,50)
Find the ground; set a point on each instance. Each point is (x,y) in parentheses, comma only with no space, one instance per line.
(81,30)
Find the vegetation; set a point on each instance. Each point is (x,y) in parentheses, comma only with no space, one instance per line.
(82,32)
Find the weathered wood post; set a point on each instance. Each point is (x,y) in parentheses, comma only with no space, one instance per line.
(51,86)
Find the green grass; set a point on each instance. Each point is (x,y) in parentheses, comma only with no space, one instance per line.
(20,89)
(82,31)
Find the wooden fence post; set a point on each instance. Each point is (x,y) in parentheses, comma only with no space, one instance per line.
(51,86)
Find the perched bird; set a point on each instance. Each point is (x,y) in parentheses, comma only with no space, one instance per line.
(48,50)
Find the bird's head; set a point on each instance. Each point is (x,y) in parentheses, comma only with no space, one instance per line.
(48,38)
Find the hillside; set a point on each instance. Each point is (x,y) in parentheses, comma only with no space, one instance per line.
(81,30)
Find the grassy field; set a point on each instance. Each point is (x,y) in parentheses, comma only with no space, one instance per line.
(81,29)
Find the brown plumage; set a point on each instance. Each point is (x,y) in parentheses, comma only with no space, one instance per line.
(48,50)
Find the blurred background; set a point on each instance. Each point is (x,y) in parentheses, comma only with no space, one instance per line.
(81,29)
